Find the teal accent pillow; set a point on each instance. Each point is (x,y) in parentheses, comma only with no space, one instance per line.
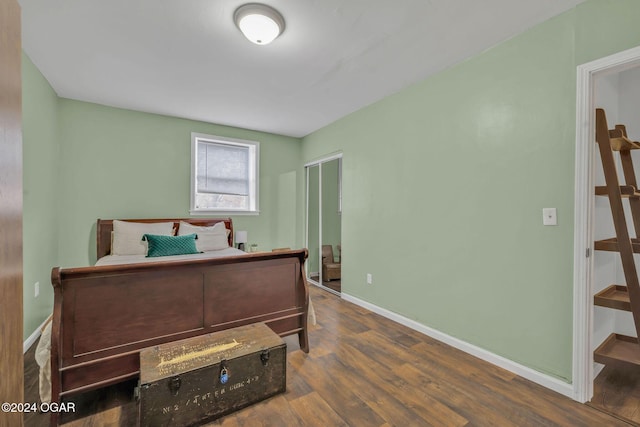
(170,245)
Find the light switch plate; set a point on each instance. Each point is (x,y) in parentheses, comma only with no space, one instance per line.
(549,216)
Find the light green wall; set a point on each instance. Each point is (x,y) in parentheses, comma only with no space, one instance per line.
(604,27)
(119,163)
(40,180)
(444,185)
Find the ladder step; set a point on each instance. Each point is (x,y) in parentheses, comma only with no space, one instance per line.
(614,296)
(622,143)
(611,245)
(618,348)
(625,191)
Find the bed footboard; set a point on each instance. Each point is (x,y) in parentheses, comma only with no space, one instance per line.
(103,316)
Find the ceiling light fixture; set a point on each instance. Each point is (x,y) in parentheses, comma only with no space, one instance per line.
(259,23)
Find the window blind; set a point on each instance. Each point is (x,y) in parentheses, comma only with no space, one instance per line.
(223,169)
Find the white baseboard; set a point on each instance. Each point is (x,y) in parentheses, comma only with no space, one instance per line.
(532,375)
(33,337)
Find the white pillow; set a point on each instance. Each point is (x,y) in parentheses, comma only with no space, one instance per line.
(127,236)
(211,238)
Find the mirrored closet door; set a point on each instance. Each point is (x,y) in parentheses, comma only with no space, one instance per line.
(324,223)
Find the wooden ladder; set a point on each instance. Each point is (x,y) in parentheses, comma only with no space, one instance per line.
(619,348)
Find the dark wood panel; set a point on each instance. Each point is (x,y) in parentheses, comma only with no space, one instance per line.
(115,314)
(259,284)
(101,374)
(11,317)
(288,324)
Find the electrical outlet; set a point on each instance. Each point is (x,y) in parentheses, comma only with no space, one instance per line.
(549,216)
(369,278)
(36,289)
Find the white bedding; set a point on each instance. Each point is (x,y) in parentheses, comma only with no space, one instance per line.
(135,259)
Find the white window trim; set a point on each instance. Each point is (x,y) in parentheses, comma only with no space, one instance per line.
(254,190)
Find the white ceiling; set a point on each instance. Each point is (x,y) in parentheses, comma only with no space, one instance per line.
(186,58)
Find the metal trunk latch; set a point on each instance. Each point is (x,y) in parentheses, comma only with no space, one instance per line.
(264,357)
(174,385)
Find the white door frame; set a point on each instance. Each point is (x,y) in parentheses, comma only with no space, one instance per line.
(319,162)
(583,215)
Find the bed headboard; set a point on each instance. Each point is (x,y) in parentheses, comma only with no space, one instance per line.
(105,227)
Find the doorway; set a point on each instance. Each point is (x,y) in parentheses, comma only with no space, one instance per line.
(324,223)
(607,83)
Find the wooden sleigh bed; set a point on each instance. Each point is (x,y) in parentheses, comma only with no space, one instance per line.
(104,315)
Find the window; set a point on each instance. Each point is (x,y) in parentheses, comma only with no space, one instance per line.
(224,175)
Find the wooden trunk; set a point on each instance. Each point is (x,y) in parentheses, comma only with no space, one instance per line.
(199,379)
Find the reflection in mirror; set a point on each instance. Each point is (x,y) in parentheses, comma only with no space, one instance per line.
(324,226)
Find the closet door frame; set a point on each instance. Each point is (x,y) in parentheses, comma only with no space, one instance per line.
(319,162)
(584,207)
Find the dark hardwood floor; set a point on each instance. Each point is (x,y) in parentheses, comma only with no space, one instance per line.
(365,370)
(617,390)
